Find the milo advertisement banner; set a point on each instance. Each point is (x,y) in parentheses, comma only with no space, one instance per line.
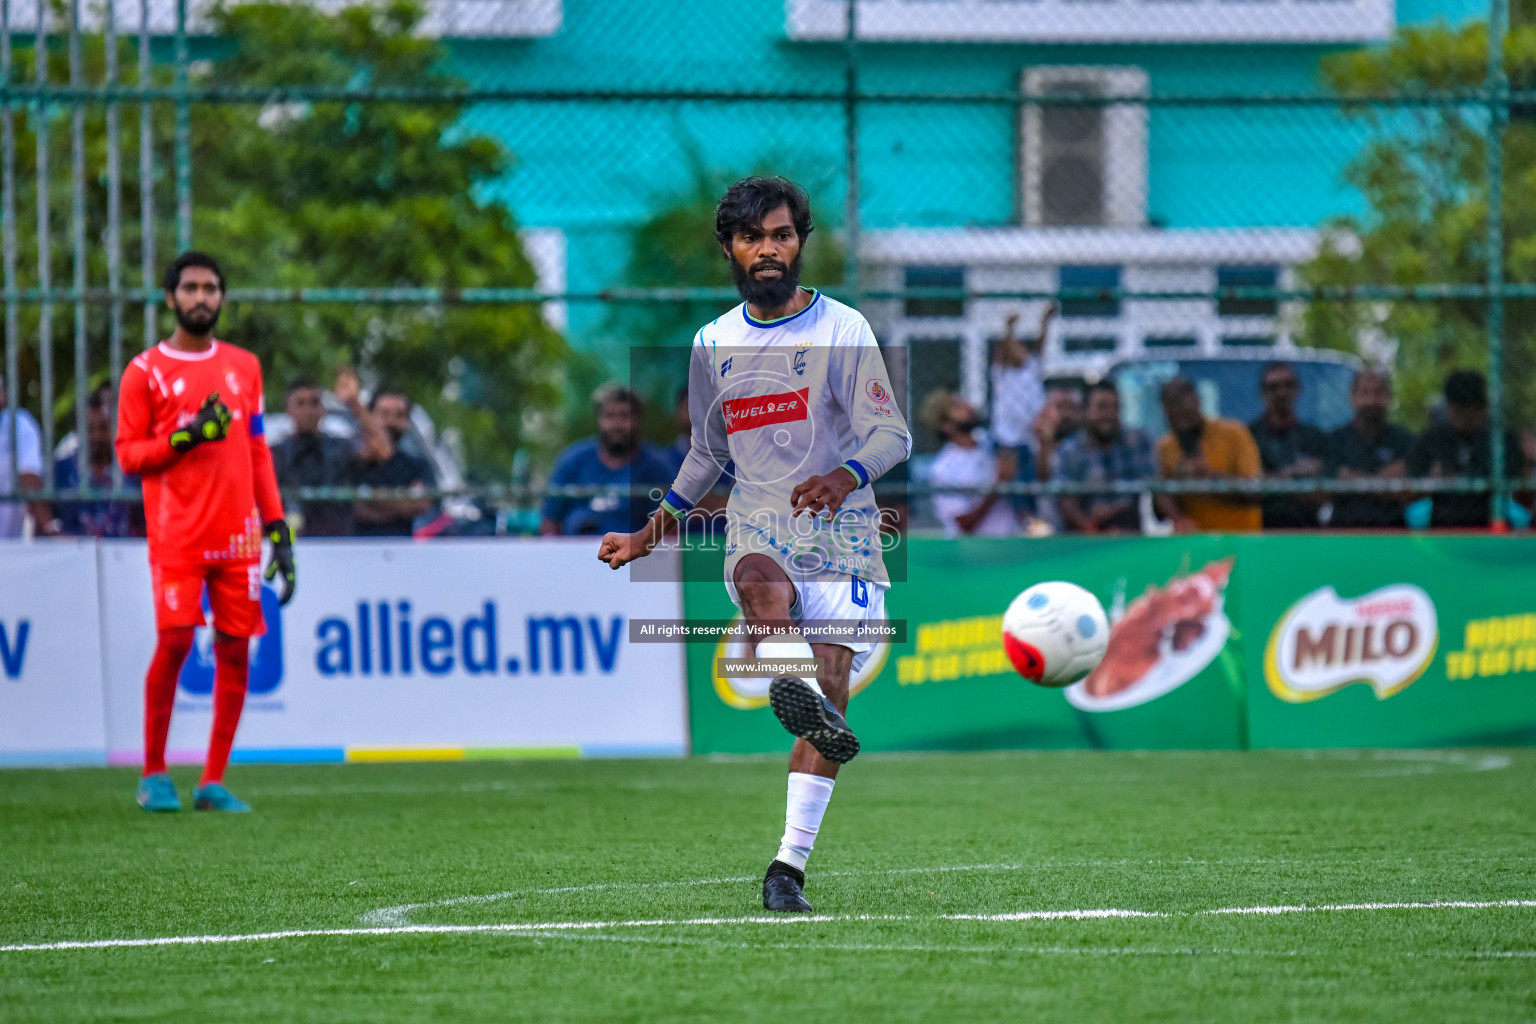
(1173,676)
(1215,642)
(1418,640)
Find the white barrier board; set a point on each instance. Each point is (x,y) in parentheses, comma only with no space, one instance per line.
(447,649)
(50,655)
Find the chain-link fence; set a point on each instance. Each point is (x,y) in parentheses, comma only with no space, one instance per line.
(488,205)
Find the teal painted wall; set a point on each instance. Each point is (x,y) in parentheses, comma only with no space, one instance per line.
(596,170)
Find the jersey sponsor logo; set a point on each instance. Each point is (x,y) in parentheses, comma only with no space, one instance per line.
(876,390)
(751,413)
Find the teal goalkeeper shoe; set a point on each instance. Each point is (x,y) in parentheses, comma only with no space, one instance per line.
(158,793)
(214,797)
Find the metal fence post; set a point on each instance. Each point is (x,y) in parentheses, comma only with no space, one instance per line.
(1498,114)
(8,190)
(851,268)
(44,242)
(77,233)
(114,227)
(183,134)
(146,174)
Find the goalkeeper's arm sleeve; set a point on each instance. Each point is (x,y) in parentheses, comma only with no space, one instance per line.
(269,501)
(139,452)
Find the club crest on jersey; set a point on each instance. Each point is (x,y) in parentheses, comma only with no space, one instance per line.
(763,410)
(232,382)
(876,390)
(178,386)
(725,367)
(800,362)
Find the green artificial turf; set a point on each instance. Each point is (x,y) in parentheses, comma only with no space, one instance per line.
(908,840)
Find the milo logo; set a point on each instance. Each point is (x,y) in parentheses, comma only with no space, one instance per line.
(1386,639)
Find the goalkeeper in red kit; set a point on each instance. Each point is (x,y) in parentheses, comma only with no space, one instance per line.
(190,424)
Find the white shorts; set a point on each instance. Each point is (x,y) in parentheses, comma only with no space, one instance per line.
(846,599)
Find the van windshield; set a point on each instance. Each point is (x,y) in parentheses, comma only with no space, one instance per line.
(1230,387)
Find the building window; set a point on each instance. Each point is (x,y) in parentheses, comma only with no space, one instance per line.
(1084,164)
(935,277)
(1170,341)
(1098,277)
(1102,21)
(1090,343)
(1247,277)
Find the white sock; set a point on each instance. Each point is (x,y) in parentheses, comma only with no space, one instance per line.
(788,646)
(808,799)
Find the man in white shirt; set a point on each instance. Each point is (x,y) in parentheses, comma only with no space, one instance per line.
(28,465)
(1018,385)
(967,459)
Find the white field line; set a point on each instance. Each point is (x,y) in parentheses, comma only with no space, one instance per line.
(400,913)
(696,922)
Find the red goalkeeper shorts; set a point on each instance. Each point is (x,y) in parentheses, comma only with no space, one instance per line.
(234,596)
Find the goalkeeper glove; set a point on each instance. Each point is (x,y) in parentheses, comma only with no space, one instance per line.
(282,558)
(210,424)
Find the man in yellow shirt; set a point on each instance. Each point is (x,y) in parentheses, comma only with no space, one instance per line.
(1196,448)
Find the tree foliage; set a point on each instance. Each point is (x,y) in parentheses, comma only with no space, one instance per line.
(1424,175)
(334,195)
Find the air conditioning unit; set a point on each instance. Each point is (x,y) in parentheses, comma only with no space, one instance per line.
(1084,165)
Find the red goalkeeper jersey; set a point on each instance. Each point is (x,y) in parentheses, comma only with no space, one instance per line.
(205,506)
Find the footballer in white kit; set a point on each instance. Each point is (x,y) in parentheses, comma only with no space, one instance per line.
(791,388)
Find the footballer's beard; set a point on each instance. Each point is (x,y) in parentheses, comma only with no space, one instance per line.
(198,320)
(772,293)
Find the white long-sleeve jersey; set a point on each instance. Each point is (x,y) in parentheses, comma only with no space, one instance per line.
(786,400)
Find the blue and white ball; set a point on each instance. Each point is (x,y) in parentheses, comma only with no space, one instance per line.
(1055,633)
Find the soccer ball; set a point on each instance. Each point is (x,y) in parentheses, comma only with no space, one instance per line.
(1055,633)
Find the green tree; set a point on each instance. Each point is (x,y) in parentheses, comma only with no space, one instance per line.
(1424,176)
(335,195)
(376,194)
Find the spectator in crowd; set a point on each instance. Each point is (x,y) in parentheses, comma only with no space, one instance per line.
(1061,418)
(391,466)
(967,458)
(1103,452)
(1460,447)
(1018,388)
(615,458)
(1197,448)
(1018,398)
(1288,449)
(28,468)
(674,453)
(98,518)
(309,457)
(1369,447)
